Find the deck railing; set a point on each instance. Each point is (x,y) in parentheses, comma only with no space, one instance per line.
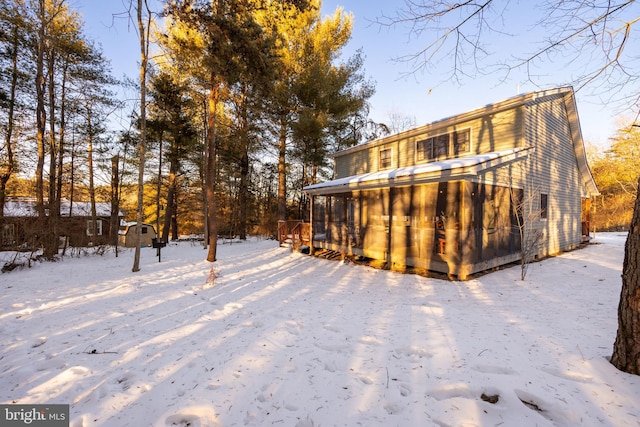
(294,232)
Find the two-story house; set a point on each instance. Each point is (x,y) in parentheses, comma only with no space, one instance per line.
(455,196)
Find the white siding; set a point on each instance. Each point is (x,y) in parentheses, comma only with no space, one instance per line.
(553,170)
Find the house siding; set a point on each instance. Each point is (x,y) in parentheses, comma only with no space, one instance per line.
(496,131)
(465,223)
(553,170)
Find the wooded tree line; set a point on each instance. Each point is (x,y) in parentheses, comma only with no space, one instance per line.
(245,100)
(616,171)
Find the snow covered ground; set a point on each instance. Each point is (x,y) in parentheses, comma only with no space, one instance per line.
(288,340)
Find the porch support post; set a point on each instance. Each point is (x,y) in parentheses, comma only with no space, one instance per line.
(390,234)
(327,220)
(311,205)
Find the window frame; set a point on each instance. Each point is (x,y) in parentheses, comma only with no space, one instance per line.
(90,227)
(437,149)
(427,151)
(388,161)
(544,206)
(456,150)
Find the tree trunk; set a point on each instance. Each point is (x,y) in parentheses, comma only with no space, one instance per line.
(171,194)
(114,220)
(282,172)
(92,188)
(174,216)
(243,194)
(144,45)
(40,109)
(159,185)
(626,349)
(9,163)
(210,173)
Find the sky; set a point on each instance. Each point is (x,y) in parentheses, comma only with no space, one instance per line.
(424,96)
(278,338)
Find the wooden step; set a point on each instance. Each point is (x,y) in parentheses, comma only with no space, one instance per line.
(328,254)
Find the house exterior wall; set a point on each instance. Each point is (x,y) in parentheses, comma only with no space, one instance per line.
(23,232)
(462,224)
(495,131)
(553,170)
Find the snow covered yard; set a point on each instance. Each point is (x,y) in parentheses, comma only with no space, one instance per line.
(288,340)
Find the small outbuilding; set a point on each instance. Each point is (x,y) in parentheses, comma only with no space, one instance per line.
(127,234)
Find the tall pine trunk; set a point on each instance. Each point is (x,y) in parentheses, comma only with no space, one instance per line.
(40,109)
(282,171)
(114,220)
(626,349)
(9,166)
(170,201)
(144,48)
(210,173)
(92,188)
(243,194)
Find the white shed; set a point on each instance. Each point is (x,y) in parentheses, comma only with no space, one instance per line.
(127,234)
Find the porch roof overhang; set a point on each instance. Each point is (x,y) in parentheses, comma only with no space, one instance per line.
(446,170)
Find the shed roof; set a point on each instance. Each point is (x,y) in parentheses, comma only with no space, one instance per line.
(458,168)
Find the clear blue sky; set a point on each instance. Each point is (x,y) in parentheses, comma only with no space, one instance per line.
(425,96)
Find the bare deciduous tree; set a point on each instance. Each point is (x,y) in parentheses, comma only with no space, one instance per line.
(526,215)
(597,35)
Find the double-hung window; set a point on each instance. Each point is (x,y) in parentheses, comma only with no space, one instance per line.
(385,158)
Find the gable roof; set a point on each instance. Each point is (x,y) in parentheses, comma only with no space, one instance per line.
(566,93)
(457,168)
(26,207)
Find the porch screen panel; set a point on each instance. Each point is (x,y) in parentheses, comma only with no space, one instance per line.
(375,221)
(423,212)
(403,242)
(337,219)
(319,211)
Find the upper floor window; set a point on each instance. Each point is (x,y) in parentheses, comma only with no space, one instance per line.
(424,149)
(441,146)
(462,142)
(444,146)
(385,158)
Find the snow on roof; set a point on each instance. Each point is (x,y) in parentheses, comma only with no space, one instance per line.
(426,172)
(26,207)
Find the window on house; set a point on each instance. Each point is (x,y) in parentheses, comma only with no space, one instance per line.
(441,146)
(98,227)
(444,146)
(385,158)
(461,142)
(143,230)
(424,149)
(544,209)
(8,234)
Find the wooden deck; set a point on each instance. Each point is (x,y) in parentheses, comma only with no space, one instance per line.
(294,233)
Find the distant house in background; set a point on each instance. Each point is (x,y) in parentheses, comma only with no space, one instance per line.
(127,234)
(445,196)
(20,223)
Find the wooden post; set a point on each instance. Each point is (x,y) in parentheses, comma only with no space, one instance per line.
(390,233)
(311,205)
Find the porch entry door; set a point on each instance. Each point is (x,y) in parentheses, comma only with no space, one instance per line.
(353,225)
